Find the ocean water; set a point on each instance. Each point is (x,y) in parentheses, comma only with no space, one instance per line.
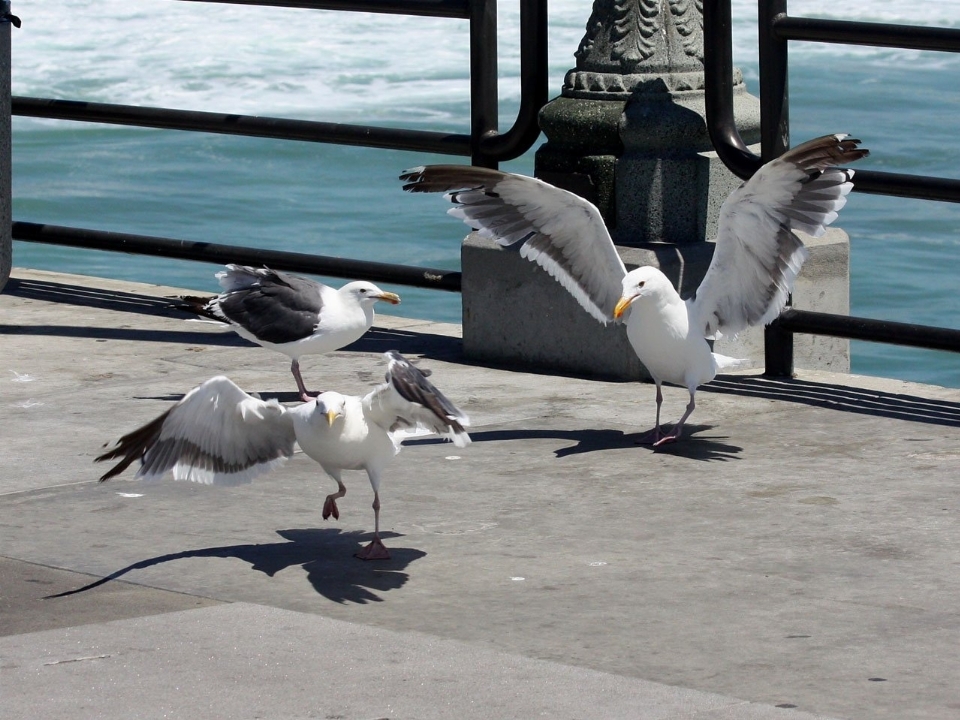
(412,72)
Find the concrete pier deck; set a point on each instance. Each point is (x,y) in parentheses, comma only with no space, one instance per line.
(798,555)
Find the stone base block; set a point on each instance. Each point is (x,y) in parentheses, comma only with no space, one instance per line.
(514,313)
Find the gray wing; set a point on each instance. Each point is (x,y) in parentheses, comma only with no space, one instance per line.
(561,232)
(408,399)
(757,256)
(217,434)
(275,307)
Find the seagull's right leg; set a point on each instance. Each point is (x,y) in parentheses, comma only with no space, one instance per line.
(295,369)
(653,437)
(330,504)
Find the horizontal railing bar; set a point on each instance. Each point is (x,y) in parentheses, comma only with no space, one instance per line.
(912,186)
(909,37)
(248,125)
(430,278)
(424,8)
(855,328)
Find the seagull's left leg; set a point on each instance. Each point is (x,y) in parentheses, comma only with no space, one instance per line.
(375,550)
(674,434)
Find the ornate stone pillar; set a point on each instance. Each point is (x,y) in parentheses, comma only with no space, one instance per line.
(637,89)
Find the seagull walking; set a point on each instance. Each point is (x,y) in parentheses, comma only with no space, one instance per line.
(756,258)
(291,314)
(219,435)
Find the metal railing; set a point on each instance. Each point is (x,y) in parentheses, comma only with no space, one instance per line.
(776,28)
(484,144)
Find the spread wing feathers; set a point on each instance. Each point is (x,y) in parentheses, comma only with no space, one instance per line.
(217,434)
(409,400)
(559,231)
(757,258)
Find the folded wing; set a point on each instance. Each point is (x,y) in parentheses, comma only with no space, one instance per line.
(217,434)
(561,232)
(757,256)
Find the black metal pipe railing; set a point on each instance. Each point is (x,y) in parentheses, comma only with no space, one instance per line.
(431,278)
(422,8)
(855,328)
(776,28)
(484,144)
(905,37)
(246,125)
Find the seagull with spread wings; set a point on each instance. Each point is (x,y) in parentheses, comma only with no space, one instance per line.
(219,435)
(291,314)
(756,258)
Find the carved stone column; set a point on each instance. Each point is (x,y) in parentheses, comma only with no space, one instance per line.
(639,79)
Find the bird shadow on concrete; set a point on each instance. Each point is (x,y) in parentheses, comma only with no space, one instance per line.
(86,296)
(692,445)
(431,346)
(218,338)
(843,398)
(326,554)
(377,339)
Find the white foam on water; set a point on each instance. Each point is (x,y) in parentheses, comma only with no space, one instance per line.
(324,64)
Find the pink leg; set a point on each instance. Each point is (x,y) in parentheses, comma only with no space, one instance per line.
(305,396)
(674,434)
(375,550)
(330,504)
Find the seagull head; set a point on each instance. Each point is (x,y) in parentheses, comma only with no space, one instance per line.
(331,404)
(643,282)
(366,293)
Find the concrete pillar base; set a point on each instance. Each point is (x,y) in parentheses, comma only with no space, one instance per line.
(516,314)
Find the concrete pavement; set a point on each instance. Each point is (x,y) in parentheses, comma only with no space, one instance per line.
(797,555)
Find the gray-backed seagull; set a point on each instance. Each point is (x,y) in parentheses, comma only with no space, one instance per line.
(218,434)
(755,262)
(291,314)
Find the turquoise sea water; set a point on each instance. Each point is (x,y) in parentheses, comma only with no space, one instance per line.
(345,201)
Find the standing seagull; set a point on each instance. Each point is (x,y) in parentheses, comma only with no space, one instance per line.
(755,261)
(291,314)
(219,435)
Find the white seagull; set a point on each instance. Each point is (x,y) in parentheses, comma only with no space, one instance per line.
(219,435)
(291,314)
(755,262)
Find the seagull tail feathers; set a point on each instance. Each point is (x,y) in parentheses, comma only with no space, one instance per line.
(204,307)
(725,362)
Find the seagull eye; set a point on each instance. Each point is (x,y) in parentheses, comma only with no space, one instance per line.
(640,284)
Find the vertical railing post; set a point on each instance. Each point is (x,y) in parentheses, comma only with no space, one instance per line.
(484,105)
(774,100)
(774,141)
(6,195)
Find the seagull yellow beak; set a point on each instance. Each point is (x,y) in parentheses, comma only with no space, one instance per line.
(622,306)
(331,416)
(390,297)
